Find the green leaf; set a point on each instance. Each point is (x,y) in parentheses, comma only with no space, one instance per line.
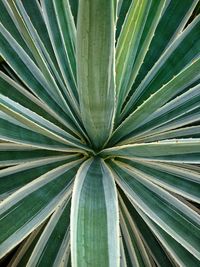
(174,179)
(13,131)
(34,12)
(95,68)
(135,37)
(180,255)
(139,117)
(10,23)
(32,76)
(181,121)
(154,247)
(21,95)
(24,250)
(185,132)
(13,178)
(173,21)
(36,123)
(175,58)
(53,247)
(94,207)
(183,104)
(68,31)
(62,34)
(63,93)
(39,198)
(74,7)
(99,133)
(123,7)
(12,154)
(183,150)
(174,217)
(37,49)
(134,243)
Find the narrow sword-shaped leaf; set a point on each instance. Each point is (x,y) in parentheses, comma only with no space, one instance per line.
(36,47)
(183,51)
(13,131)
(13,178)
(172,25)
(183,150)
(95,68)
(183,104)
(178,253)
(94,217)
(180,181)
(34,11)
(174,217)
(52,248)
(24,250)
(154,247)
(184,120)
(137,45)
(68,30)
(12,154)
(62,47)
(31,74)
(21,95)
(74,7)
(186,77)
(36,123)
(39,197)
(123,7)
(127,46)
(7,19)
(185,132)
(50,71)
(135,245)
(177,107)
(18,93)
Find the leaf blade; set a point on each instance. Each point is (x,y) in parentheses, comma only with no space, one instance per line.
(95,68)
(94,205)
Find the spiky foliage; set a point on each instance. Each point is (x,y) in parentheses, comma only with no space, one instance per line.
(99,133)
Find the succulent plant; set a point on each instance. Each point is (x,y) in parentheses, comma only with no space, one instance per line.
(99,133)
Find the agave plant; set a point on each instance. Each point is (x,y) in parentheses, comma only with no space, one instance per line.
(99,134)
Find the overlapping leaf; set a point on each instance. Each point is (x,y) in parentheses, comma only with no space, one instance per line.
(99,133)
